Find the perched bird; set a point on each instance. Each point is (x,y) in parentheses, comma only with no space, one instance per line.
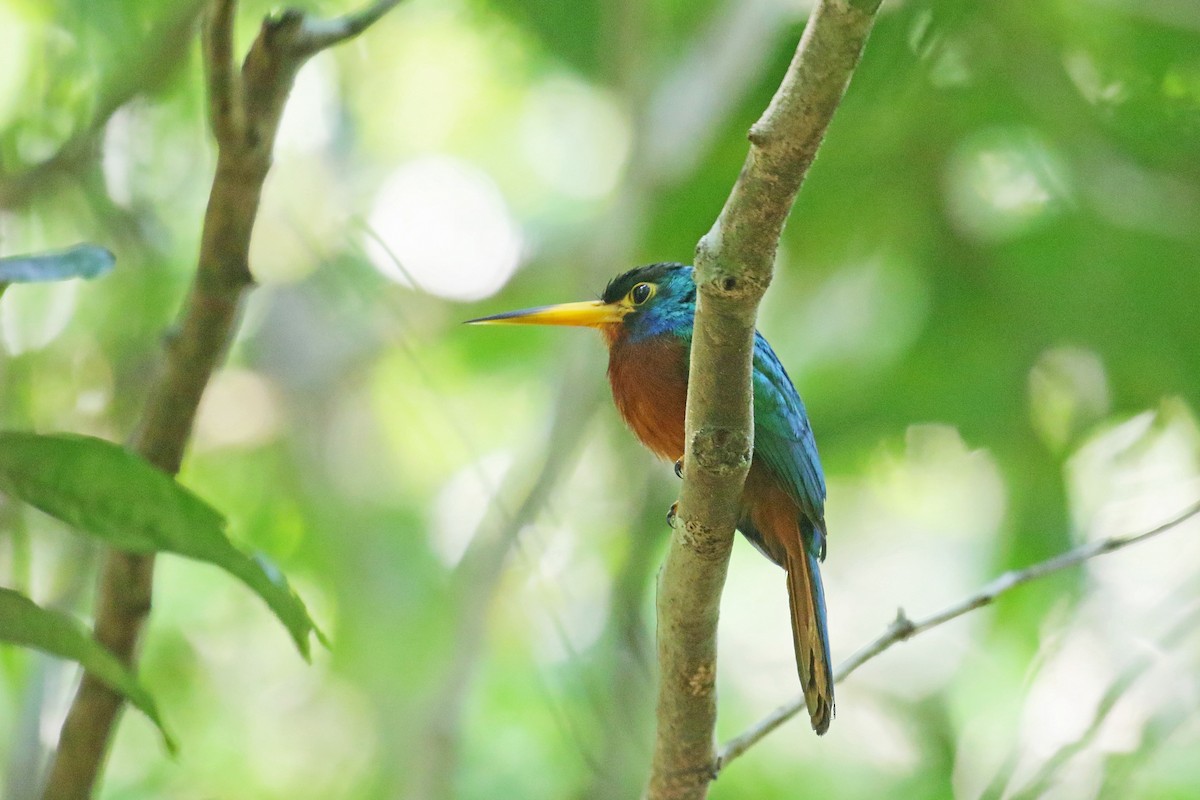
(646,317)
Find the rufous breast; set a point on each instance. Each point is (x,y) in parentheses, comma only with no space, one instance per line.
(649,385)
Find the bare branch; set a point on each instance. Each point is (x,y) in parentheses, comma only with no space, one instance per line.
(321,34)
(734,264)
(901,629)
(226,113)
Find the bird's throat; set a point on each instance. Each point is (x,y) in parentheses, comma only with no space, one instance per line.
(649,385)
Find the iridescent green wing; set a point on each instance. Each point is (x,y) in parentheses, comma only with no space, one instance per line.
(783,441)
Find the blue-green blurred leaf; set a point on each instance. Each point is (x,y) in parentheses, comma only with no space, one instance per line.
(80,261)
(25,623)
(108,492)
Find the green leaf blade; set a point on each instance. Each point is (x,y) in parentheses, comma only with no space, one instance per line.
(104,490)
(25,623)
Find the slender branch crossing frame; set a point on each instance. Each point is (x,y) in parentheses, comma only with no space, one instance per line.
(902,628)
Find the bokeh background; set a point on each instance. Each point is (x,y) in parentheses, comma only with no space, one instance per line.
(987,296)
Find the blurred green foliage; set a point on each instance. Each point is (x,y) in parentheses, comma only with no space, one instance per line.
(102,490)
(986,296)
(24,623)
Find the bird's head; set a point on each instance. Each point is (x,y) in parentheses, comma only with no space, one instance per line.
(639,304)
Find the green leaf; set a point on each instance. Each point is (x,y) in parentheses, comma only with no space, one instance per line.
(25,623)
(80,261)
(106,491)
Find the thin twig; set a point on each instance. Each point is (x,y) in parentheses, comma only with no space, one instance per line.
(902,628)
(734,265)
(321,34)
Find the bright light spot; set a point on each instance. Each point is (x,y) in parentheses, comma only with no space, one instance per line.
(1085,73)
(33,314)
(575,138)
(566,596)
(15,42)
(120,141)
(307,123)
(239,409)
(148,156)
(443,73)
(462,504)
(918,511)
(14,52)
(948,56)
(1132,477)
(879,733)
(1068,390)
(950,65)
(1064,696)
(1002,183)
(300,219)
(443,227)
(93,381)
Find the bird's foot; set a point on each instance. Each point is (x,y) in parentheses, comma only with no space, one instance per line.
(671,513)
(679,467)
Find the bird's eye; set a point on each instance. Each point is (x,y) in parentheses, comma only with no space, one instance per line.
(641,293)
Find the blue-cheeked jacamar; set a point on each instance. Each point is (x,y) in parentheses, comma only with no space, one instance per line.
(646,317)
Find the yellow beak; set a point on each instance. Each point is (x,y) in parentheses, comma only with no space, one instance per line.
(589,314)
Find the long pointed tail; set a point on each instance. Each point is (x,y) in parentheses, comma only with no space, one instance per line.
(810,635)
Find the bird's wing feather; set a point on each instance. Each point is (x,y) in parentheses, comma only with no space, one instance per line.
(784,440)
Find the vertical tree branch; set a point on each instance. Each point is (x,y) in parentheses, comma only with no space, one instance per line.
(225,110)
(430,767)
(246,110)
(141,71)
(734,263)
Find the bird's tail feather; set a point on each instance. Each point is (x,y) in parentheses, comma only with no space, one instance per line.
(811,637)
